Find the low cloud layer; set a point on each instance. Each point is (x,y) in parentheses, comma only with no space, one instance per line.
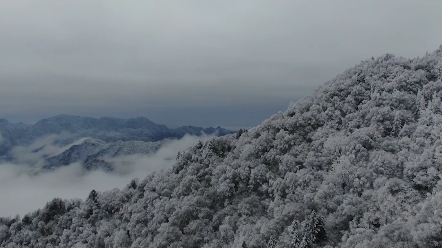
(33,154)
(21,191)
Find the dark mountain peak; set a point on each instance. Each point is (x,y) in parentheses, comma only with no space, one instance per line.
(219,131)
(64,118)
(143,123)
(92,141)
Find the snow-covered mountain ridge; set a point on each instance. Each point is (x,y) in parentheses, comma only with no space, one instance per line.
(71,128)
(356,164)
(92,153)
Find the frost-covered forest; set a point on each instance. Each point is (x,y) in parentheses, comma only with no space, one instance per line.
(356,164)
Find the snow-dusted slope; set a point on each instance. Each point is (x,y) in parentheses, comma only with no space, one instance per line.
(100,160)
(356,164)
(94,154)
(76,153)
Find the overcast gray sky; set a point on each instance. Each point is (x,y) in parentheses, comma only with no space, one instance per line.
(229,63)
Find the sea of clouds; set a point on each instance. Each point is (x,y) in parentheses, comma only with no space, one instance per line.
(22,190)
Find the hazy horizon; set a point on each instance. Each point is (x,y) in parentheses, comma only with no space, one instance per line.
(169,125)
(228,63)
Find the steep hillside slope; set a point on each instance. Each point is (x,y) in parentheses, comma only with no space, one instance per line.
(99,160)
(356,164)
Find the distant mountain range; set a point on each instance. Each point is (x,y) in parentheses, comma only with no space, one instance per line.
(104,134)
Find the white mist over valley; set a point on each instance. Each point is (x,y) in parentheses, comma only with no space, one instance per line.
(23,190)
